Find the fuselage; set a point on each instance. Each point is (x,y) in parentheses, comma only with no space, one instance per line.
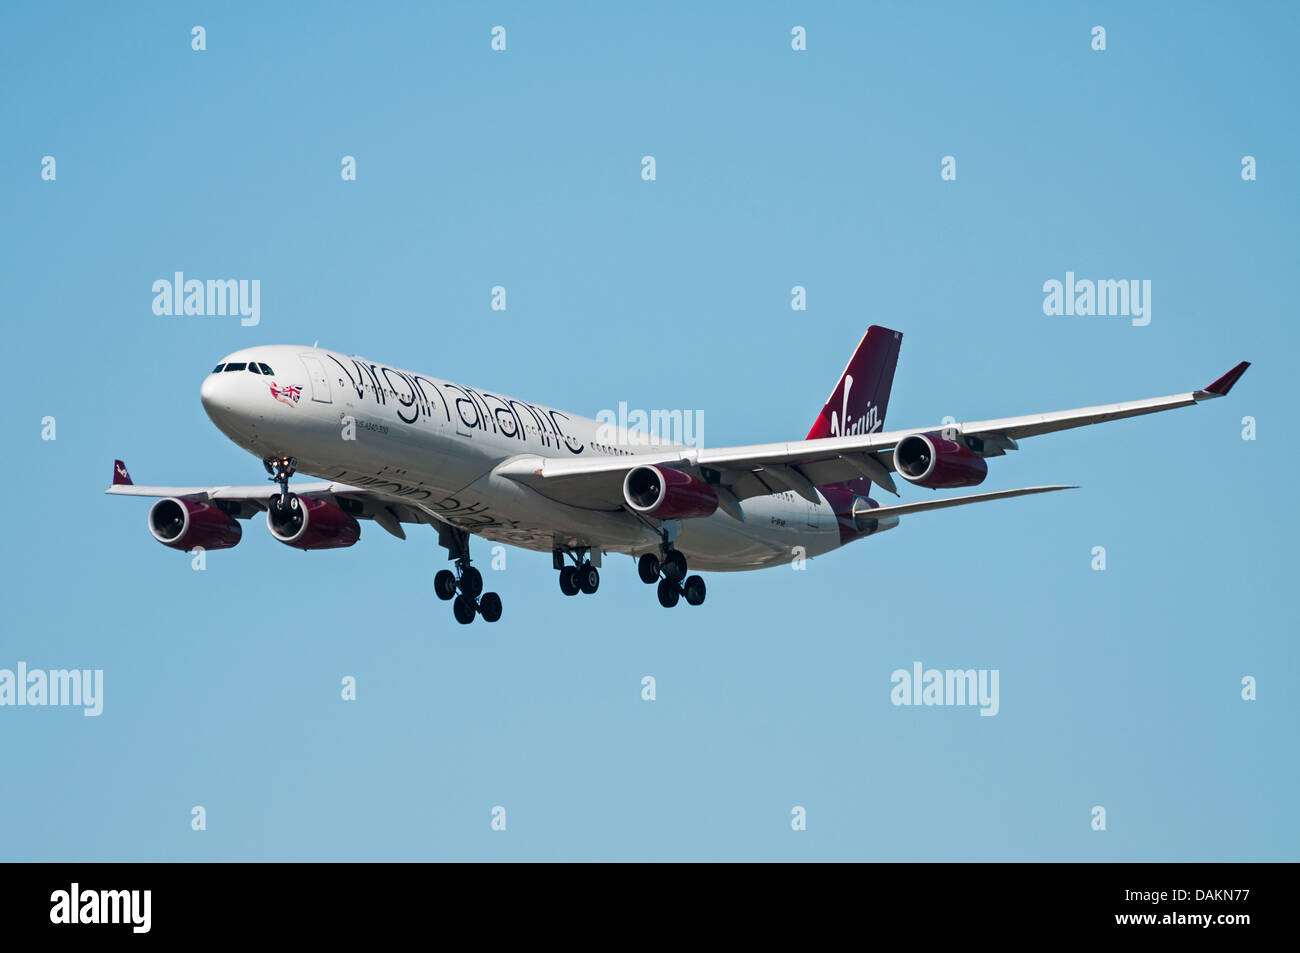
(435,444)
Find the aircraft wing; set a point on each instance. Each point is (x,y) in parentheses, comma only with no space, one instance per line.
(742,472)
(243,502)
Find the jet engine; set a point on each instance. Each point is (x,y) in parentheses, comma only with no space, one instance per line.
(309,523)
(928,460)
(185,524)
(668,494)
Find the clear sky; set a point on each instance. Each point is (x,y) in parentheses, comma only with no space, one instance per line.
(1120,688)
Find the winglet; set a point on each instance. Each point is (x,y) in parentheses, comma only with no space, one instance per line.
(120,476)
(1224,384)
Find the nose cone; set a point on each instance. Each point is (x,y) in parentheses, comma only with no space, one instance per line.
(225,401)
(215,396)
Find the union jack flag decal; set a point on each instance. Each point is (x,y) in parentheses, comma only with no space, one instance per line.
(288,394)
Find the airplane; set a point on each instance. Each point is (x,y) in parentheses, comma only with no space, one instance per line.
(397,447)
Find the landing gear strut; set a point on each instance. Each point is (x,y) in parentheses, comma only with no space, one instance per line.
(465,586)
(582,576)
(669,573)
(281,469)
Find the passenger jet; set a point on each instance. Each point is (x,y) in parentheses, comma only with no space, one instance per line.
(398,447)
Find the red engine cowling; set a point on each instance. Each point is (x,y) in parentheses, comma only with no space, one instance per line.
(310,523)
(668,494)
(928,460)
(185,524)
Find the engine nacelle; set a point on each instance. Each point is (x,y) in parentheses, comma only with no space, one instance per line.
(310,523)
(668,494)
(185,524)
(928,460)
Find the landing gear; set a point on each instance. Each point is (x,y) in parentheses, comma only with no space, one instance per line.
(582,576)
(674,565)
(694,590)
(464,610)
(569,581)
(465,585)
(471,581)
(669,573)
(489,607)
(281,469)
(647,567)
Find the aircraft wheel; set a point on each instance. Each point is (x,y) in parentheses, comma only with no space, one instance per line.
(471,583)
(490,607)
(588,578)
(464,610)
(569,580)
(669,593)
(647,567)
(695,590)
(444,584)
(675,565)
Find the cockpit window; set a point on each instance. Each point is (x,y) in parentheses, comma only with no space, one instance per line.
(239,366)
(217,369)
(266,369)
(252,366)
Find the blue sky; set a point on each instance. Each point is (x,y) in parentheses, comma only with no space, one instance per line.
(775,168)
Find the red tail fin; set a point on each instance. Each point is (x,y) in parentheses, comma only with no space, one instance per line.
(858,402)
(120,476)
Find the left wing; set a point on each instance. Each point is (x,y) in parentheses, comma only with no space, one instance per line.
(243,502)
(803,465)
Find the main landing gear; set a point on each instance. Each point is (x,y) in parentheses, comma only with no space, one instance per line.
(465,585)
(670,574)
(582,576)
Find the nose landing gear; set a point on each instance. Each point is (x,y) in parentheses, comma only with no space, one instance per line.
(464,587)
(281,469)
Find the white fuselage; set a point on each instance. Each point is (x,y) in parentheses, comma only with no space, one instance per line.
(434,444)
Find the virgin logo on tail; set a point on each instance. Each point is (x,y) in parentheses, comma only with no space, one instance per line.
(868,423)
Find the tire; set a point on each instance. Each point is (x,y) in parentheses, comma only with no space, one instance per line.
(490,607)
(569,580)
(669,593)
(463,609)
(675,566)
(444,584)
(695,590)
(471,582)
(647,567)
(588,579)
